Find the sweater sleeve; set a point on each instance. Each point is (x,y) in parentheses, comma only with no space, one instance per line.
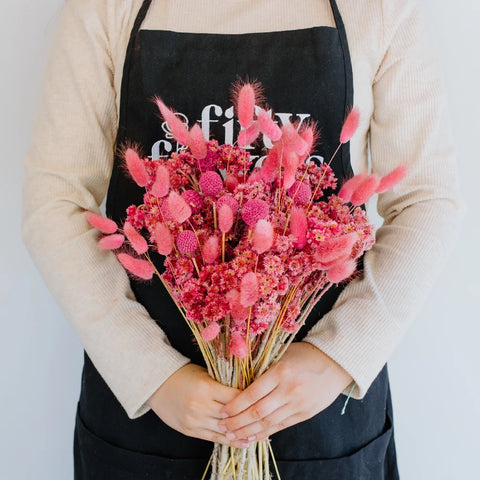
(421,214)
(67,171)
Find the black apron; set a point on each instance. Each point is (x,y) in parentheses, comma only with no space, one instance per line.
(305,73)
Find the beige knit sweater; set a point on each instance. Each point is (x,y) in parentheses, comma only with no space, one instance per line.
(69,163)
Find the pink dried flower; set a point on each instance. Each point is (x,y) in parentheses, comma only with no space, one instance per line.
(292,141)
(177,127)
(161,185)
(249,135)
(211,184)
(336,248)
(105,225)
(228,200)
(350,186)
(138,243)
(390,180)
(193,199)
(163,239)
(365,190)
(197,143)
(111,242)
(246,104)
(187,242)
(350,125)
(210,332)
(298,227)
(225,218)
(136,266)
(211,249)
(341,272)
(238,346)
(178,207)
(136,167)
(262,236)
(254,210)
(268,127)
(300,192)
(249,289)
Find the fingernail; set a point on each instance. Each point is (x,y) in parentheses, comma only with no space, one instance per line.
(222,428)
(251,438)
(230,435)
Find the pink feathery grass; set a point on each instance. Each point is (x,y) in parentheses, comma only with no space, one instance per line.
(249,289)
(270,166)
(341,272)
(365,190)
(225,218)
(390,180)
(298,227)
(238,346)
(268,127)
(211,184)
(211,249)
(138,243)
(163,238)
(350,186)
(136,167)
(238,312)
(228,200)
(254,210)
(210,332)
(105,225)
(197,143)
(292,141)
(291,166)
(161,186)
(300,192)
(262,238)
(136,266)
(111,242)
(310,135)
(187,242)
(246,105)
(249,135)
(177,127)
(178,207)
(336,248)
(350,125)
(231,182)
(193,199)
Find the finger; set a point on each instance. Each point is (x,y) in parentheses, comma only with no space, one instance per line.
(252,394)
(277,427)
(257,412)
(212,436)
(223,394)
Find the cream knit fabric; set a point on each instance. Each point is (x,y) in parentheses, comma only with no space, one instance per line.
(69,162)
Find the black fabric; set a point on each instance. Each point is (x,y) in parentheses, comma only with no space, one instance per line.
(305,73)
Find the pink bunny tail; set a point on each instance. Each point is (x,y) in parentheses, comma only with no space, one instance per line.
(231,182)
(350,186)
(262,236)
(292,141)
(225,218)
(138,243)
(365,190)
(238,346)
(137,267)
(270,166)
(177,127)
(389,181)
(268,127)
(341,272)
(211,250)
(111,242)
(291,166)
(177,207)
(136,167)
(161,186)
(210,332)
(350,125)
(249,289)
(230,201)
(249,135)
(238,312)
(187,242)
(298,227)
(105,225)
(336,249)
(196,142)
(246,105)
(163,238)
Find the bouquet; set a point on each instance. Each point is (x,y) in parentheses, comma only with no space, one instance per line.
(248,249)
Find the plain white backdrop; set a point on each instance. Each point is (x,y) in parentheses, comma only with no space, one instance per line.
(434,373)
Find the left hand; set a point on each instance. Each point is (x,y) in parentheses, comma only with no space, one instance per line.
(301,384)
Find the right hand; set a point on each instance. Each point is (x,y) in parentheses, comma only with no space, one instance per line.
(190,401)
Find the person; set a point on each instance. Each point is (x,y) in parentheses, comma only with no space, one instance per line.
(147,407)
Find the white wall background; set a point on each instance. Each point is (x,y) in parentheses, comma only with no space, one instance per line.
(434,373)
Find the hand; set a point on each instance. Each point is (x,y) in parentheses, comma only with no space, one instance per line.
(301,384)
(190,401)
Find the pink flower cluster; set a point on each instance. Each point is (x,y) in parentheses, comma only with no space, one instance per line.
(244,248)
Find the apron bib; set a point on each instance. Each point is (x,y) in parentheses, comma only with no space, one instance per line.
(306,75)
